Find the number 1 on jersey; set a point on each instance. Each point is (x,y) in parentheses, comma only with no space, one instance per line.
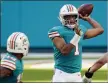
(76,50)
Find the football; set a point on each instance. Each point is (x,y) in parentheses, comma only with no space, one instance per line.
(85,9)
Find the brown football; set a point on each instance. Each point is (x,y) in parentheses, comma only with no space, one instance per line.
(85,9)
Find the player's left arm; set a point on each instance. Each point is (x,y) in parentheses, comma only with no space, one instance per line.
(95,30)
(7,66)
(97,65)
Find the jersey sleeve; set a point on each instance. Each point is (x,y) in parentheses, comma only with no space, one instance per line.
(54,32)
(8,62)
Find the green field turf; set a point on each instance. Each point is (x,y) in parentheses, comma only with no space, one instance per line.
(45,75)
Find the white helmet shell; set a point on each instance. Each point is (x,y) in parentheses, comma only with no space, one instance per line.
(67,9)
(18,42)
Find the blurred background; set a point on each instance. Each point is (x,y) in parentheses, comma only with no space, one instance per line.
(35,18)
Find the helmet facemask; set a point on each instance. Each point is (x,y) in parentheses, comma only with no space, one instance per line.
(70,20)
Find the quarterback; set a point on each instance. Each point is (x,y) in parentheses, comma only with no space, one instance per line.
(67,43)
(11,67)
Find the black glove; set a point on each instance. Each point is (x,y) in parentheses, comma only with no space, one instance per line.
(88,74)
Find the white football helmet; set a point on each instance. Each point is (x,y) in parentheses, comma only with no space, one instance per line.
(68,9)
(18,42)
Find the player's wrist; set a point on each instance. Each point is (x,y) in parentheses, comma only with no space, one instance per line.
(89,74)
(75,39)
(89,19)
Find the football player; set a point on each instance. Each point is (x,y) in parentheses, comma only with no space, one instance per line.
(87,78)
(11,67)
(67,43)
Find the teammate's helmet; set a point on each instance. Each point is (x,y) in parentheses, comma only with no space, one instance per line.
(68,9)
(18,43)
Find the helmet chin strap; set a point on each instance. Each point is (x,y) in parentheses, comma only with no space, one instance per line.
(71,26)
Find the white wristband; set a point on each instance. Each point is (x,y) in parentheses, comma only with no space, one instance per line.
(75,39)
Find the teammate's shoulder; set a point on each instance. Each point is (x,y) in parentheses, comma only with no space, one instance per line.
(9,62)
(8,56)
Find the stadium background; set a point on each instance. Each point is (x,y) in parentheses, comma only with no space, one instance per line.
(35,18)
